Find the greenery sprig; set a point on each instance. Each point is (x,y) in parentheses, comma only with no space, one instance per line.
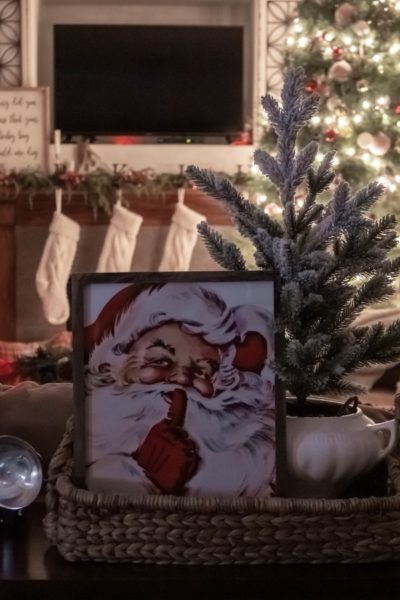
(98,187)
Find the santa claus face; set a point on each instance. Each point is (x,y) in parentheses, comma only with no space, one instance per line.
(168,354)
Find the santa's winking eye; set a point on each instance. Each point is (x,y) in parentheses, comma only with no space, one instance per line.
(159,362)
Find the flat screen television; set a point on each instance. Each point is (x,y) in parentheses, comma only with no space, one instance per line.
(140,79)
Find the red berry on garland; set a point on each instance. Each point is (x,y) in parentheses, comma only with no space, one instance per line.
(330,135)
(397,109)
(310,86)
(337,52)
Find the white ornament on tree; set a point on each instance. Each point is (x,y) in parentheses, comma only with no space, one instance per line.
(55,267)
(364,140)
(340,71)
(344,14)
(361,28)
(380,144)
(120,241)
(181,238)
(377,144)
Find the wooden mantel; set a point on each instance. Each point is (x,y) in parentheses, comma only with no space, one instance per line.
(17,212)
(156,210)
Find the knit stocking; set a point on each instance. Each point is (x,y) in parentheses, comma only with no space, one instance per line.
(120,241)
(55,267)
(181,239)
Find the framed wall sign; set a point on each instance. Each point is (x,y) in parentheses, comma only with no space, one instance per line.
(24,129)
(173,386)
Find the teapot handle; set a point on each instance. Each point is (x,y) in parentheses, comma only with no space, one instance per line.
(392,427)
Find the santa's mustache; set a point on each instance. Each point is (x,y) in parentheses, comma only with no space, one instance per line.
(252,393)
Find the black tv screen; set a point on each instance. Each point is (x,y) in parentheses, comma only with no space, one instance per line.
(139,79)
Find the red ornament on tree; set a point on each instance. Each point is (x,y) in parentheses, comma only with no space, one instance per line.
(310,86)
(397,109)
(337,52)
(330,135)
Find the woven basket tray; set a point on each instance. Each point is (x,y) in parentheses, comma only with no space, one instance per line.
(210,531)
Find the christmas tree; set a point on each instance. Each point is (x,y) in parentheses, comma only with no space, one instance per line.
(351,55)
(331,259)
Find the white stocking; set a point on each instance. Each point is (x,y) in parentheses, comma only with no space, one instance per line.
(120,241)
(181,239)
(55,267)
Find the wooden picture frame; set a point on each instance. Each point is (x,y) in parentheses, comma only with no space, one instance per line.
(24,129)
(173,386)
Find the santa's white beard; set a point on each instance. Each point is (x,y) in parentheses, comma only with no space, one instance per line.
(234,432)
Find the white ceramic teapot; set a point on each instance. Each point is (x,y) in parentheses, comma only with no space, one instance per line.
(324,454)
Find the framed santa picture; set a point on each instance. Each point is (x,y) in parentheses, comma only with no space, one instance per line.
(173,384)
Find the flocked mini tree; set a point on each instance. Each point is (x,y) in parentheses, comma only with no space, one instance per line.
(331,259)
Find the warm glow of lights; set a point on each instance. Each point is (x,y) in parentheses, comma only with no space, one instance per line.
(347,39)
(398,124)
(328,120)
(394,48)
(357,118)
(329,36)
(261,198)
(316,120)
(366,157)
(290,41)
(353,49)
(350,151)
(342,121)
(297,27)
(388,183)
(397,6)
(335,161)
(366,104)
(255,170)
(377,58)
(397,178)
(303,42)
(382,100)
(319,156)
(376,163)
(369,41)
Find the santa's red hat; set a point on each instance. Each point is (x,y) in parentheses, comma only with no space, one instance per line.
(199,310)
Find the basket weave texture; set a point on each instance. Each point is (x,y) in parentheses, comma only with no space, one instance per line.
(210,531)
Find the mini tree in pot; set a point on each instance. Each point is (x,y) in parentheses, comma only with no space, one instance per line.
(331,261)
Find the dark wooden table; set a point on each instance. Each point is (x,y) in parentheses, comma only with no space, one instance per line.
(31,569)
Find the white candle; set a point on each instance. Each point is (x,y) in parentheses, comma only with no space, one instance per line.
(57,145)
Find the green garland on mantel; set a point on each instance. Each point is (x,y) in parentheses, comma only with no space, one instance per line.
(99,187)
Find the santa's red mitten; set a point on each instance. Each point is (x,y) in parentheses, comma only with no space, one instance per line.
(168,456)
